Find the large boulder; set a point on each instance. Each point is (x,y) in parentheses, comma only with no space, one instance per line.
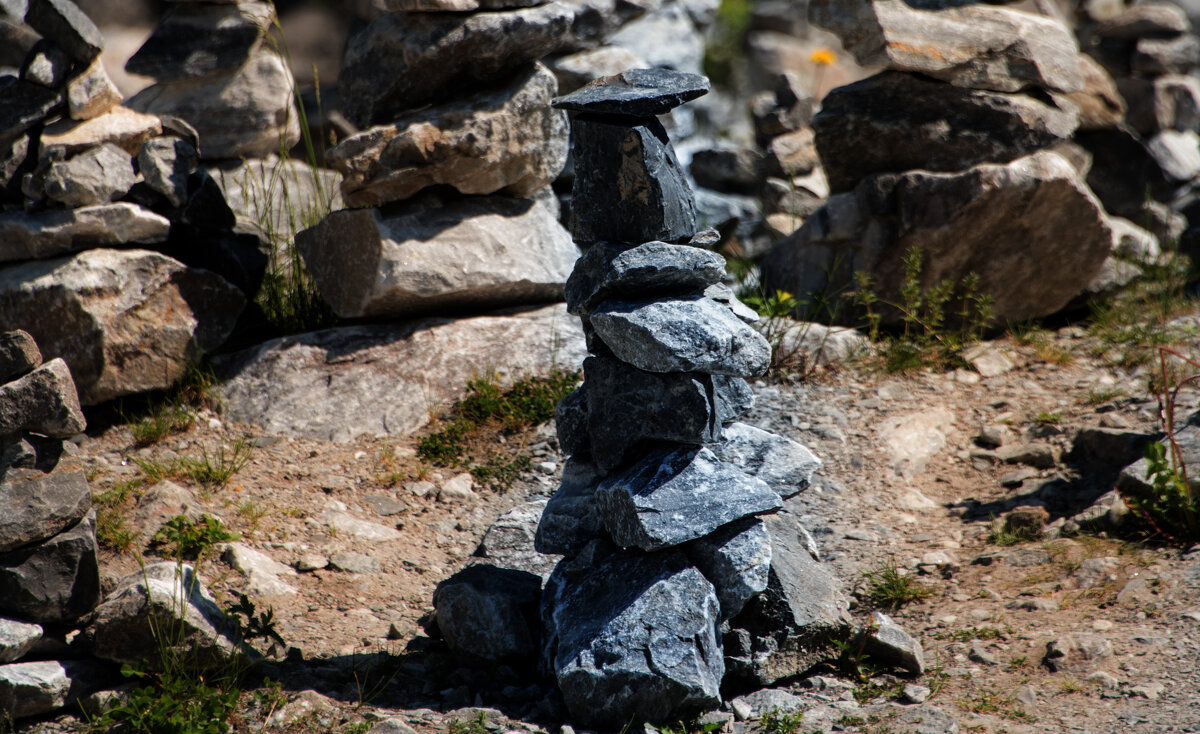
(506,140)
(969,45)
(43,401)
(489,614)
(56,581)
(124,321)
(401,61)
(433,254)
(632,636)
(55,232)
(385,379)
(1030,229)
(893,122)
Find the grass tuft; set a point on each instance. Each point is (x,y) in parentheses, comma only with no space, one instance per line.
(890,589)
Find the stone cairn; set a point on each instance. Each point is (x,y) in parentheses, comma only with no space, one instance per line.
(960,148)
(84,182)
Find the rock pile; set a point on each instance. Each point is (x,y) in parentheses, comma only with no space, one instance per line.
(79,174)
(682,569)
(951,150)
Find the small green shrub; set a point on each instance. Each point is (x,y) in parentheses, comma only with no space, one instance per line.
(162,421)
(1170,507)
(889,589)
(1046,418)
(779,722)
(726,44)
(188,540)
(208,470)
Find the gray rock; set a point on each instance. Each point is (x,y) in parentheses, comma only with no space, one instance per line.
(571,519)
(164,596)
(247,112)
(786,466)
(19,355)
(1132,479)
(490,614)
(505,140)
(681,335)
(650,190)
(198,39)
(736,559)
(1153,56)
(1169,102)
(730,168)
(267,193)
(665,37)
(261,570)
(1145,19)
(1177,153)
(570,424)
(673,496)
(794,624)
(1053,242)
(628,407)
(887,642)
(654,268)
(43,401)
(893,122)
(25,105)
(593,22)
(31,689)
(38,506)
(577,69)
(350,562)
(1101,105)
(510,541)
(91,93)
(921,719)
(401,61)
(1123,171)
(55,232)
(1077,653)
(636,93)
(120,125)
(62,22)
(452,6)
(431,254)
(47,65)
(967,45)
(16,38)
(767,701)
(387,379)
(124,321)
(631,636)
(165,164)
(17,638)
(97,176)
(55,581)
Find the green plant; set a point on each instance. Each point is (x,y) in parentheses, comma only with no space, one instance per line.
(111,508)
(1002,535)
(1137,320)
(976,633)
(162,421)
(725,47)
(780,722)
(932,333)
(192,539)
(989,701)
(207,470)
(478,725)
(1045,418)
(1102,396)
(889,589)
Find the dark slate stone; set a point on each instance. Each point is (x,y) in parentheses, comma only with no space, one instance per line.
(629,408)
(25,104)
(630,169)
(206,208)
(194,41)
(782,463)
(632,636)
(16,40)
(46,65)
(54,581)
(728,168)
(19,355)
(642,271)
(31,451)
(1123,172)
(38,506)
(62,22)
(682,335)
(673,496)
(635,93)
(571,519)
(795,623)
(894,122)
(489,614)
(165,164)
(238,258)
(571,423)
(736,559)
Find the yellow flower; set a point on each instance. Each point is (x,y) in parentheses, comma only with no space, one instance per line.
(823,57)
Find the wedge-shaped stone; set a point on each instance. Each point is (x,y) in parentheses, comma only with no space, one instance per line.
(640,271)
(628,408)
(34,688)
(38,506)
(636,93)
(489,614)
(434,254)
(197,39)
(120,126)
(1031,229)
(506,140)
(62,22)
(782,463)
(571,519)
(632,636)
(795,623)
(55,581)
(968,45)
(16,639)
(1159,20)
(693,334)
(247,112)
(124,321)
(25,105)
(43,401)
(96,176)
(736,559)
(401,61)
(54,232)
(894,122)
(92,93)
(673,496)
(19,354)
(631,169)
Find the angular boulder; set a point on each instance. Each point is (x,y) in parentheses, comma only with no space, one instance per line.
(506,140)
(44,401)
(92,93)
(632,636)
(786,466)
(19,354)
(893,122)
(402,61)
(736,559)
(198,39)
(38,506)
(124,321)
(55,581)
(571,519)
(67,26)
(96,176)
(968,45)
(25,105)
(35,688)
(653,268)
(16,639)
(673,496)
(489,614)
(435,254)
(635,93)
(1031,230)
(386,379)
(120,126)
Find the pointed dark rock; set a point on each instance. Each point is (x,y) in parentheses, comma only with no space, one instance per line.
(62,22)
(54,581)
(635,93)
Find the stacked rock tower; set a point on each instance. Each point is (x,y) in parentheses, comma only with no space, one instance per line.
(658,514)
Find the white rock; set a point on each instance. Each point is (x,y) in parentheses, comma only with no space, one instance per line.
(343,522)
